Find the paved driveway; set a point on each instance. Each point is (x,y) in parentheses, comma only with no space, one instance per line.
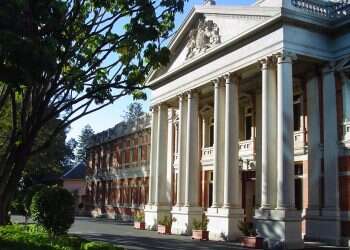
(123,234)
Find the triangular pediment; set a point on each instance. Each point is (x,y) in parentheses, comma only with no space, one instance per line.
(208,27)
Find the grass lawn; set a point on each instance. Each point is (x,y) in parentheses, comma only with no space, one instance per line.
(33,237)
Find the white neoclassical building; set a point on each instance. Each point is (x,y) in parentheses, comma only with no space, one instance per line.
(251,122)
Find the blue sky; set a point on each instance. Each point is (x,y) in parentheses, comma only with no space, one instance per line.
(111,115)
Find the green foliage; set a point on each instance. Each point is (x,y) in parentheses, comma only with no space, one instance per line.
(167,220)
(139,217)
(33,237)
(83,142)
(246,228)
(30,192)
(96,245)
(53,208)
(67,59)
(200,224)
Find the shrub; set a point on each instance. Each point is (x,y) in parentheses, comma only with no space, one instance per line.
(200,225)
(53,208)
(166,221)
(246,228)
(96,245)
(27,200)
(139,217)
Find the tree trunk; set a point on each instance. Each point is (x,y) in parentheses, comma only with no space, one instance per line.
(18,160)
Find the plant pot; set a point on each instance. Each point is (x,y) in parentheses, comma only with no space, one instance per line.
(253,242)
(162,229)
(200,235)
(139,225)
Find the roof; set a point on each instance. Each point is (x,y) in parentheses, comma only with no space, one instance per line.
(77,172)
(121,129)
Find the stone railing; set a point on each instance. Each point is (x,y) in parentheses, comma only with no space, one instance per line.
(299,142)
(208,153)
(328,9)
(246,148)
(176,158)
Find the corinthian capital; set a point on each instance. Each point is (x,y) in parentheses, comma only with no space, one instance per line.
(285,56)
(232,78)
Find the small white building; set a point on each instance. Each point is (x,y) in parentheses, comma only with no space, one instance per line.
(251,121)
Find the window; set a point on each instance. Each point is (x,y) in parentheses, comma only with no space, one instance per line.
(248,123)
(211,135)
(210,189)
(298,186)
(297,112)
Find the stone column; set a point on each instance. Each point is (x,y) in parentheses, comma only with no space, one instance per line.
(280,223)
(223,220)
(153,158)
(189,155)
(330,209)
(160,205)
(192,157)
(285,141)
(314,158)
(219,112)
(314,154)
(170,155)
(162,141)
(258,151)
(268,134)
(182,134)
(232,194)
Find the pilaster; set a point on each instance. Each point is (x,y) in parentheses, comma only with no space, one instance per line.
(330,211)
(312,212)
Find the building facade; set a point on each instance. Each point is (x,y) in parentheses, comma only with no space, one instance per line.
(74,182)
(251,121)
(118,170)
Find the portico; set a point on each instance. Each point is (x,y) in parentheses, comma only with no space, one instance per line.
(245,129)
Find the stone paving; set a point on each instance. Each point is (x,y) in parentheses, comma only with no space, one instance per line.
(123,234)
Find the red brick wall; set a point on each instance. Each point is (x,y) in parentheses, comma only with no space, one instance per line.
(344,183)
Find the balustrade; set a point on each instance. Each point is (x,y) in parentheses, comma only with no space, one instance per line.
(328,9)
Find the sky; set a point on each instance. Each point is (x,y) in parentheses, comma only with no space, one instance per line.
(112,114)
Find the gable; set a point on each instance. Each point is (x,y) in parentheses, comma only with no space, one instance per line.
(199,41)
(210,27)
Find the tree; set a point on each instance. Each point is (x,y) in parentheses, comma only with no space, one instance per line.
(133,111)
(68,59)
(83,142)
(70,158)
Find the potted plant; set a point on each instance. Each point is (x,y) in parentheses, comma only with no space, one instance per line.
(139,221)
(199,229)
(164,225)
(250,238)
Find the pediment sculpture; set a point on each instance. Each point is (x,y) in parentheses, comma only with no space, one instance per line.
(203,37)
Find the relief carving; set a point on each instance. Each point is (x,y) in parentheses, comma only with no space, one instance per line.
(205,36)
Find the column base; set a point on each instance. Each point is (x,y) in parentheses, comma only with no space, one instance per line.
(280,227)
(329,226)
(312,225)
(183,218)
(153,214)
(223,223)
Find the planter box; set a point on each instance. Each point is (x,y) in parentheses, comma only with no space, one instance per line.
(200,235)
(164,229)
(139,225)
(252,242)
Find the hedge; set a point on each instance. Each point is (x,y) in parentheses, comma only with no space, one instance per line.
(33,237)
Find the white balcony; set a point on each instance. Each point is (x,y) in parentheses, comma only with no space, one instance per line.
(207,155)
(246,149)
(299,142)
